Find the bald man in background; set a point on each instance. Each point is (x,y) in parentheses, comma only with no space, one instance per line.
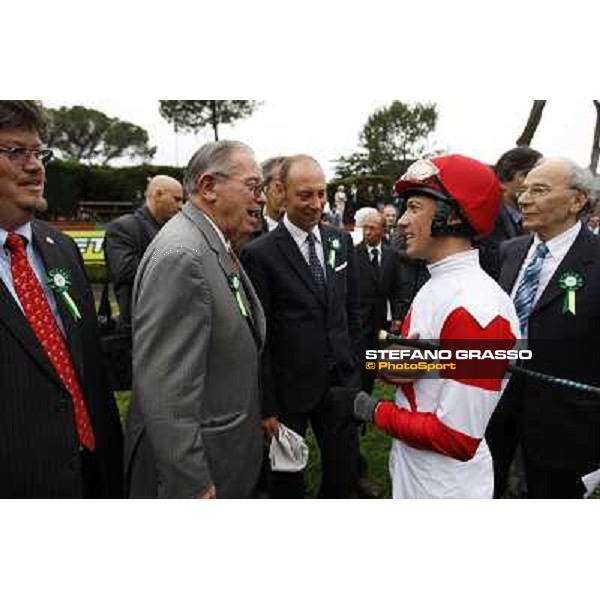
(128,237)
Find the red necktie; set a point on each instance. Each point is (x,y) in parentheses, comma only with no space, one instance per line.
(44,325)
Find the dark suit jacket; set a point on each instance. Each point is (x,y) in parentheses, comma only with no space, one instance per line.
(39,447)
(560,427)
(377,288)
(505,229)
(125,242)
(414,273)
(306,333)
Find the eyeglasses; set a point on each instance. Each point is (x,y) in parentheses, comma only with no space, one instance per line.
(539,191)
(19,156)
(258,189)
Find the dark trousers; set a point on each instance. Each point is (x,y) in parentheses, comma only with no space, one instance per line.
(338,445)
(502,439)
(546,482)
(89,474)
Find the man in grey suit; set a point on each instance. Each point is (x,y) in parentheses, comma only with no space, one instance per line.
(194,427)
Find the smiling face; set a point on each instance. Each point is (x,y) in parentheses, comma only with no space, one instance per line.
(548,204)
(416,223)
(21,186)
(305,194)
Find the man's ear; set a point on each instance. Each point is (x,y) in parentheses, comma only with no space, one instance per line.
(453,219)
(580,200)
(206,187)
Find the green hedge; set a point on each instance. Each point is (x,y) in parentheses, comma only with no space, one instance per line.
(68,183)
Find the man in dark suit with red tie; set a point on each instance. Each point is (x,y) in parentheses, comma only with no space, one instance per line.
(60,435)
(305,275)
(553,277)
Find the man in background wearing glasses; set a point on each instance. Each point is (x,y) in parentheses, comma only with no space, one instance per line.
(553,277)
(193,428)
(60,435)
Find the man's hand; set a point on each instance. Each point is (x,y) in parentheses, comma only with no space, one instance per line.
(271,427)
(209,494)
(399,377)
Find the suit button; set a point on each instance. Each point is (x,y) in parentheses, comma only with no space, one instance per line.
(63,405)
(74,463)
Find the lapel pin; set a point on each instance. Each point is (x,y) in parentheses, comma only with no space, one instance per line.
(60,281)
(49,240)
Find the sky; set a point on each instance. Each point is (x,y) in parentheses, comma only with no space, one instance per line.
(327,127)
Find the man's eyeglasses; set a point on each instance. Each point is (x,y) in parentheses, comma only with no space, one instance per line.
(258,189)
(539,191)
(19,156)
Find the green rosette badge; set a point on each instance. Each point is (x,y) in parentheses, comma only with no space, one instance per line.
(570,282)
(235,284)
(60,281)
(335,246)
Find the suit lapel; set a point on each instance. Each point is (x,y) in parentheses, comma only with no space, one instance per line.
(256,311)
(514,262)
(256,320)
(49,247)
(290,250)
(16,322)
(576,259)
(368,267)
(327,237)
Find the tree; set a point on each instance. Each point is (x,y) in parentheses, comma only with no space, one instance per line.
(391,138)
(535,116)
(194,115)
(86,134)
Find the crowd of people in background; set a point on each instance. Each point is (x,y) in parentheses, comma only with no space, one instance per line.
(250,298)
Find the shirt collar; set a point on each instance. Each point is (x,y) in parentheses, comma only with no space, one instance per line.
(23,231)
(271,223)
(217,230)
(560,244)
(298,234)
(460,260)
(369,248)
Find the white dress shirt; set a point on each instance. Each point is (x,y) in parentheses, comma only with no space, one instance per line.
(38,268)
(557,249)
(271,223)
(370,253)
(299,236)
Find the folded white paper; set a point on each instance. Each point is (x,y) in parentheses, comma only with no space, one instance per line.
(591,482)
(288,451)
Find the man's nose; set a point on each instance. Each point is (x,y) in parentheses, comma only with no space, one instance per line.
(32,163)
(261,198)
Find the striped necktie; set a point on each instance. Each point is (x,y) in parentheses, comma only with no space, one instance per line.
(529,285)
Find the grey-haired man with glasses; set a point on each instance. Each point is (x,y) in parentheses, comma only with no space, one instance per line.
(553,277)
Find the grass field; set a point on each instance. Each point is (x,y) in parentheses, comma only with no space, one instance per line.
(374,445)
